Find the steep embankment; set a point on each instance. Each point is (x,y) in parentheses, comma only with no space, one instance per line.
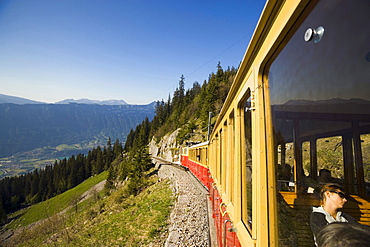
(167,148)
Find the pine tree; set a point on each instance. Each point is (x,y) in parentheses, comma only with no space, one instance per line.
(72,174)
(220,72)
(42,187)
(3,215)
(117,149)
(88,165)
(108,154)
(80,165)
(112,176)
(178,101)
(34,195)
(130,140)
(99,162)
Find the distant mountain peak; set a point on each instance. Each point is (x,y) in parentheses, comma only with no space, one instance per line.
(17,100)
(93,102)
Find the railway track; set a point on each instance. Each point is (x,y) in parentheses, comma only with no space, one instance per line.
(191,222)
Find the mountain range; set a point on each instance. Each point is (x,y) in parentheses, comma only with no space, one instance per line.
(91,102)
(22,101)
(28,125)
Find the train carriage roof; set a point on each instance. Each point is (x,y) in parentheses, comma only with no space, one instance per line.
(200,144)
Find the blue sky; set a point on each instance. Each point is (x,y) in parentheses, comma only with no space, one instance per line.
(132,50)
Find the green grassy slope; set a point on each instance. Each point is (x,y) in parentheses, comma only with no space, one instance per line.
(114,220)
(54,205)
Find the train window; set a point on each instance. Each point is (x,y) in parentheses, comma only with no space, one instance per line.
(330,160)
(226,152)
(220,163)
(319,91)
(365,145)
(198,154)
(320,103)
(247,166)
(231,157)
(306,158)
(285,168)
(217,160)
(205,156)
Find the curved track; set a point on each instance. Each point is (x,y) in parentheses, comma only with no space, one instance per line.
(190,221)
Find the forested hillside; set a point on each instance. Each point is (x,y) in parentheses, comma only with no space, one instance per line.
(31,126)
(188,110)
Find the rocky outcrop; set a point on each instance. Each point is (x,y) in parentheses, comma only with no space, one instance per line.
(166,148)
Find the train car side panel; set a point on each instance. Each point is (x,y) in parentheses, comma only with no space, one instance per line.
(299,108)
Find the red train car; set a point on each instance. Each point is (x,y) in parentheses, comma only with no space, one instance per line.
(195,158)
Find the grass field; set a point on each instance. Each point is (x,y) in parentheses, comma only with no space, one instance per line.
(65,146)
(114,220)
(54,205)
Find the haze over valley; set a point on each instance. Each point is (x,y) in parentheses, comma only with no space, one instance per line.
(33,134)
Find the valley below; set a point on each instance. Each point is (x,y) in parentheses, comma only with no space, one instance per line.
(36,135)
(24,162)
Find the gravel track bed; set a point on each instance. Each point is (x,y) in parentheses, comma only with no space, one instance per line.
(189,225)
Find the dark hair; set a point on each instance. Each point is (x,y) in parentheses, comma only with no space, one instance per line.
(324,170)
(344,235)
(330,187)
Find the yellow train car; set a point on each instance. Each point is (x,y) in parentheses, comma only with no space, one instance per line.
(299,106)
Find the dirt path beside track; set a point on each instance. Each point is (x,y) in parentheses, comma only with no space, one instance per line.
(189,220)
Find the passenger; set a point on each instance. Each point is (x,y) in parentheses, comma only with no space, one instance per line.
(284,176)
(286,172)
(279,171)
(309,185)
(333,197)
(325,177)
(344,235)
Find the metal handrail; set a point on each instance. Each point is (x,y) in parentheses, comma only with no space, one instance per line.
(231,230)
